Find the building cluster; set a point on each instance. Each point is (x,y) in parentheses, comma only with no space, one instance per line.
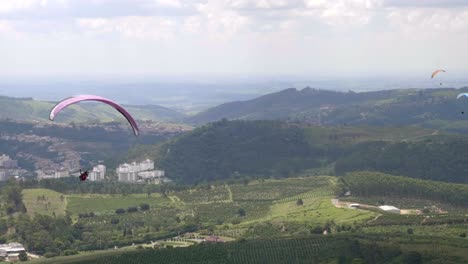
(143,172)
(11,251)
(8,168)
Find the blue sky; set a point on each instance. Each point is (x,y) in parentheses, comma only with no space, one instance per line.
(232,37)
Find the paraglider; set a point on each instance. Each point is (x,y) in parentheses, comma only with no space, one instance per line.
(436,72)
(461,95)
(73,100)
(83,175)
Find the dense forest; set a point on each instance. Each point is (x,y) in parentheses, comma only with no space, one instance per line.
(237,149)
(225,150)
(438,158)
(382,185)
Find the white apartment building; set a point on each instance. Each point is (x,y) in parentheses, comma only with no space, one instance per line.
(6,162)
(138,172)
(61,174)
(98,173)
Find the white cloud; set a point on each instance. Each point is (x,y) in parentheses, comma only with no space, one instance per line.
(7,6)
(415,20)
(170,3)
(342,12)
(5,26)
(130,27)
(219,22)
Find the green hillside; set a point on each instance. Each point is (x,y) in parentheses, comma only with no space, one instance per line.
(434,108)
(44,201)
(237,149)
(28,109)
(302,250)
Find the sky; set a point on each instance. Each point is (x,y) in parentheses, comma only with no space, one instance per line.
(232,37)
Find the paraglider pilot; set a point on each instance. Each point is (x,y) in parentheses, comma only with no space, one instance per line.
(83,175)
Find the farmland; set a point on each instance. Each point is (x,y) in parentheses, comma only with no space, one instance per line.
(108,203)
(44,201)
(265,213)
(314,249)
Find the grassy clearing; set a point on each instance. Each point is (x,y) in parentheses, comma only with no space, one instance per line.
(272,190)
(44,201)
(106,203)
(201,196)
(83,256)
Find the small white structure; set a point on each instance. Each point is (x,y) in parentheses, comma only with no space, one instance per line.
(11,251)
(354,205)
(390,209)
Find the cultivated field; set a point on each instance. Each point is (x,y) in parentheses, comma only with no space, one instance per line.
(44,201)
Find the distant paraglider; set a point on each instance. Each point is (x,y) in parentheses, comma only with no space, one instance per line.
(73,100)
(83,175)
(435,73)
(460,96)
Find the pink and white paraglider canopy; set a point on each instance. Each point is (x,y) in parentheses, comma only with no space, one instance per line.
(79,98)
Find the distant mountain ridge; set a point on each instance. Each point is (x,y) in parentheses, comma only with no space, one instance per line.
(437,108)
(28,109)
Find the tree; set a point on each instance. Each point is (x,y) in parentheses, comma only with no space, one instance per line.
(412,257)
(13,197)
(410,231)
(23,256)
(241,212)
(120,211)
(299,202)
(317,230)
(132,209)
(147,191)
(144,206)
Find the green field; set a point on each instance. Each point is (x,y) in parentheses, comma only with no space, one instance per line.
(108,204)
(44,201)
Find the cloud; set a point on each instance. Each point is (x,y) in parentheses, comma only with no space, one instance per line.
(417,21)
(59,9)
(171,3)
(154,28)
(242,35)
(427,3)
(5,26)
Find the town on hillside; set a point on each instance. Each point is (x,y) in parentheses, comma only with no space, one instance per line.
(134,172)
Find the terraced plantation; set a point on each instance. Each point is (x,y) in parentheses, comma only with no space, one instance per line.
(276,221)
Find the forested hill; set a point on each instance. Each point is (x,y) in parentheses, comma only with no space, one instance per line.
(28,109)
(436,108)
(236,149)
(284,104)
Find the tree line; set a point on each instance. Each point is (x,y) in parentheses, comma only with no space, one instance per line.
(367,183)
